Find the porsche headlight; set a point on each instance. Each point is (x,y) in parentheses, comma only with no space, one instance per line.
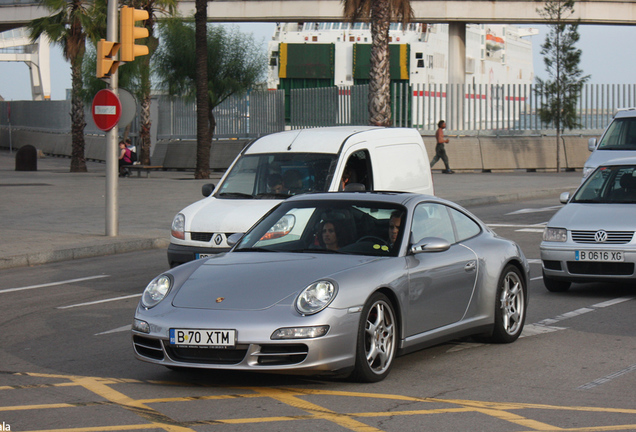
(178,227)
(316,297)
(555,234)
(156,291)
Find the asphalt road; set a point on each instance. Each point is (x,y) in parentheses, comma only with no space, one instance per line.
(66,362)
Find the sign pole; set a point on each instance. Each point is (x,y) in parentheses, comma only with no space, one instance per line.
(112,147)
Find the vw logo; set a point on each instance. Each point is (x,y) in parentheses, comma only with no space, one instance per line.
(600,236)
(218,239)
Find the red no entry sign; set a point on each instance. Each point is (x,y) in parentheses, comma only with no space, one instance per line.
(106,109)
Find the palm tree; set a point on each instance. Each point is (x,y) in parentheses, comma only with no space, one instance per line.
(233,64)
(71,22)
(380,13)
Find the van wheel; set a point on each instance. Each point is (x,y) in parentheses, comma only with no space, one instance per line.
(377,340)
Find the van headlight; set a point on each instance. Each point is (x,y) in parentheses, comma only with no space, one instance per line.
(156,291)
(177,230)
(555,234)
(316,297)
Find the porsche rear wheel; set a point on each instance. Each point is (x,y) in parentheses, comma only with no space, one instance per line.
(377,340)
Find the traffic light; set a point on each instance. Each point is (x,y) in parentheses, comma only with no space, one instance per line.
(106,51)
(129,33)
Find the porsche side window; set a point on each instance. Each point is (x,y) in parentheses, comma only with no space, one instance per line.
(465,226)
(432,220)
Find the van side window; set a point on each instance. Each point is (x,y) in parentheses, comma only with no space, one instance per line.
(357,173)
(432,220)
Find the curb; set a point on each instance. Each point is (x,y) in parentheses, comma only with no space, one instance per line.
(37,258)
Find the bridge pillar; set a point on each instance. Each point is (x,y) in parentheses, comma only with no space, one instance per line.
(457,53)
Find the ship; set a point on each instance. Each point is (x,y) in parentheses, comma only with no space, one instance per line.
(326,54)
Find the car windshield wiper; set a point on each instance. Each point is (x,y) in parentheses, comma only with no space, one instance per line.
(590,200)
(254,249)
(272,195)
(235,195)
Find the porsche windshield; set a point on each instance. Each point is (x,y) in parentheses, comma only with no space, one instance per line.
(609,184)
(328,227)
(278,175)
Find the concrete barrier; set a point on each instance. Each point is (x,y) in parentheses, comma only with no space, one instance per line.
(468,153)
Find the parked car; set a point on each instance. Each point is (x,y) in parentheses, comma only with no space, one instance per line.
(279,165)
(591,239)
(618,141)
(408,271)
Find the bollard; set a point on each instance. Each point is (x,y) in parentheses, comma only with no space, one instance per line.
(26,159)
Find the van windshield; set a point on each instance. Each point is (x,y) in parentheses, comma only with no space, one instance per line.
(621,135)
(278,175)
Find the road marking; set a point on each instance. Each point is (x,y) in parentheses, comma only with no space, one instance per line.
(534,261)
(53,284)
(607,378)
(117,330)
(532,230)
(539,225)
(99,301)
(534,210)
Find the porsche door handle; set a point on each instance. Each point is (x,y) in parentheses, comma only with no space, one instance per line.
(470,266)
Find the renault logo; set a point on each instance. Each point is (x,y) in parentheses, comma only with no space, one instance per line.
(600,236)
(218,239)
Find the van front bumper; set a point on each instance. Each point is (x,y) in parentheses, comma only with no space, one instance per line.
(179,254)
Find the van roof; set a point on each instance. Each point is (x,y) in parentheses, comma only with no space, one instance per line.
(317,140)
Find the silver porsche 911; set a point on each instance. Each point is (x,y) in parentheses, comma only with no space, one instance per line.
(337,283)
(591,239)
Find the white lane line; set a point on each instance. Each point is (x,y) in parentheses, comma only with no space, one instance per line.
(613,302)
(534,261)
(607,378)
(533,230)
(117,330)
(53,284)
(99,301)
(536,226)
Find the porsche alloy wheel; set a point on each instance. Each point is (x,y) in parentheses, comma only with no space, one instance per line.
(377,340)
(510,309)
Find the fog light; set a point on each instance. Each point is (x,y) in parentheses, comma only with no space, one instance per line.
(141,326)
(300,332)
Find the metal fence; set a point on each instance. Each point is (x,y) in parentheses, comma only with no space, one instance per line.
(468,109)
(252,115)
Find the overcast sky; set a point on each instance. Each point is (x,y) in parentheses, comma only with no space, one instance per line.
(608,56)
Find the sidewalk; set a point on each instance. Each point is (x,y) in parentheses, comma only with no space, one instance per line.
(52,215)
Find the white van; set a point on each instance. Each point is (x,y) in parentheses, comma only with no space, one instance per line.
(618,141)
(279,165)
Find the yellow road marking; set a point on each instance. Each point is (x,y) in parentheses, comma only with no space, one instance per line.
(293,398)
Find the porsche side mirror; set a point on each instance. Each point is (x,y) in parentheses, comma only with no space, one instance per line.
(430,244)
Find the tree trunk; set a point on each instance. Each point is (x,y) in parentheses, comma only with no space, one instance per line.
(145,122)
(379,73)
(202,170)
(78,160)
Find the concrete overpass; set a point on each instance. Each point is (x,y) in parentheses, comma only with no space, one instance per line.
(614,12)
(16,13)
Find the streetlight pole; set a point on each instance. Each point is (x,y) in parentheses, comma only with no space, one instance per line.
(112,156)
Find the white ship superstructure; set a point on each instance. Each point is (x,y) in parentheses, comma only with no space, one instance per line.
(495,54)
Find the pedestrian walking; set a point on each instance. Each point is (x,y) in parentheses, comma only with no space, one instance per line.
(440,150)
